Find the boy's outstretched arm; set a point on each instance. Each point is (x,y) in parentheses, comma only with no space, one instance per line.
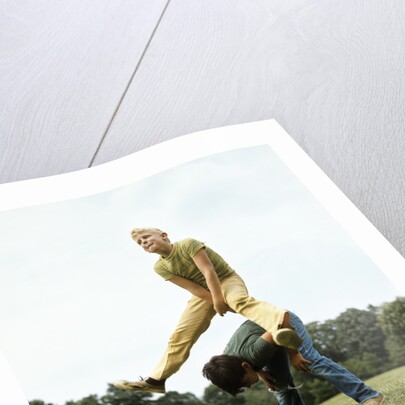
(195,289)
(192,287)
(206,267)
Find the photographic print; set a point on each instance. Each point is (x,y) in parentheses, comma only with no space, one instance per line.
(81,305)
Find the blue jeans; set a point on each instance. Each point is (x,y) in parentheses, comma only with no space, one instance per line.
(321,367)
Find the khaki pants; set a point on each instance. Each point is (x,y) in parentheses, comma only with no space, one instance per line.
(197,316)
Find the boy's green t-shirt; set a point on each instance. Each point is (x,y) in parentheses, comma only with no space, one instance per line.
(247,344)
(180,262)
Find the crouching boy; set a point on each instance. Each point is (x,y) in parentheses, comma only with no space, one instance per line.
(250,356)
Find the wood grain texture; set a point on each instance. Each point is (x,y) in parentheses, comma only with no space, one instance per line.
(64,66)
(330,72)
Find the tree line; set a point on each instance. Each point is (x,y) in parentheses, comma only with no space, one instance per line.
(367,342)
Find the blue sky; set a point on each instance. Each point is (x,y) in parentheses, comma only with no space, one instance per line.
(80,304)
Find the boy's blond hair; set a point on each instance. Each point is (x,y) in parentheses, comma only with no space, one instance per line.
(136,231)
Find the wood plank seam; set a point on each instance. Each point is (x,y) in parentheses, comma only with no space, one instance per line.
(128,85)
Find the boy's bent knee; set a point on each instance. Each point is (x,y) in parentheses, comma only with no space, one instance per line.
(238,304)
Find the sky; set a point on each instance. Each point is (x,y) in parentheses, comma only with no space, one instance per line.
(80,305)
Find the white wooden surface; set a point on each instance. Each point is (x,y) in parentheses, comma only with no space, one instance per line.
(330,72)
(64,65)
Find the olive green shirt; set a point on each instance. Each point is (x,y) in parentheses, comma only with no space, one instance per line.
(248,344)
(180,262)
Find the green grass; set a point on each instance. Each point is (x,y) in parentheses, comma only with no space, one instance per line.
(391,384)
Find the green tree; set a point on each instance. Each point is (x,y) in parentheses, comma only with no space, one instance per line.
(324,339)
(362,340)
(115,396)
(318,390)
(175,398)
(39,402)
(214,396)
(89,400)
(392,318)
(259,395)
(396,352)
(358,331)
(392,321)
(366,365)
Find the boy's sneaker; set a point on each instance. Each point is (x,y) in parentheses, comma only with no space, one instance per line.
(375,401)
(287,338)
(141,385)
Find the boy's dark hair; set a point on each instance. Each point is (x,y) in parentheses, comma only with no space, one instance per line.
(226,372)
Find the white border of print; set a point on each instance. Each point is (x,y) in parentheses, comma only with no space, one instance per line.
(186,148)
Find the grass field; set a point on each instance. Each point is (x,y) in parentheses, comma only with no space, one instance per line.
(391,384)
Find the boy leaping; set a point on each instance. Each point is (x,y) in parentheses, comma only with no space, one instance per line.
(215,288)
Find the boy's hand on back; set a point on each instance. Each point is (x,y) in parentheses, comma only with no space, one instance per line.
(298,361)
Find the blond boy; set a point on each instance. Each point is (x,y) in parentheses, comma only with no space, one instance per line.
(215,288)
